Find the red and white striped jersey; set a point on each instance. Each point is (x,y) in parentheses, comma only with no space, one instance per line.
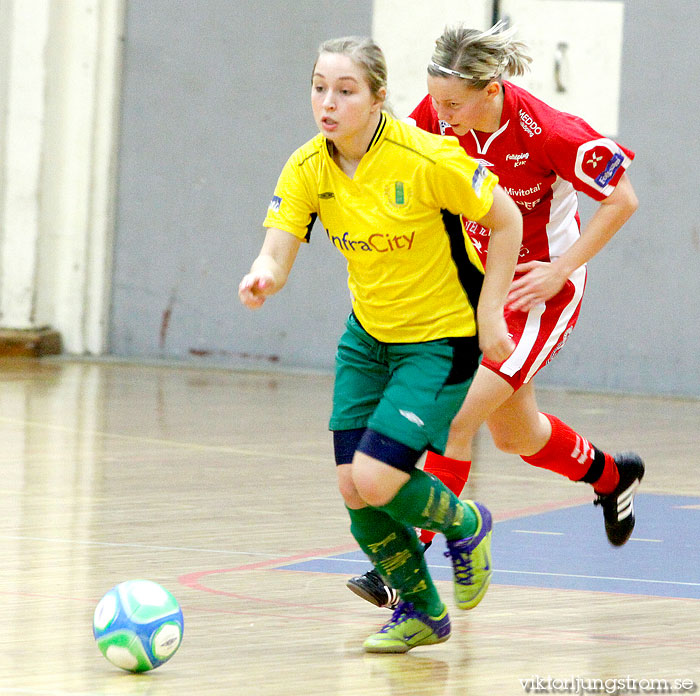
(542,156)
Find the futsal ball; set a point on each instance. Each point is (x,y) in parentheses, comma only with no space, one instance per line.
(138,625)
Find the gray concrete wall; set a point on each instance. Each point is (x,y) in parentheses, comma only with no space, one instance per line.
(216,96)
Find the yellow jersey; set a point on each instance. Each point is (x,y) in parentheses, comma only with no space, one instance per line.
(412,272)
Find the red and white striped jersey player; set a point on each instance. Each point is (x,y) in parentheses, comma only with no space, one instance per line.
(543,158)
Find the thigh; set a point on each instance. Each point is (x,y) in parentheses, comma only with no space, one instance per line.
(487,394)
(361,375)
(427,387)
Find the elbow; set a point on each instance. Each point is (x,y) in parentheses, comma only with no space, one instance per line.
(630,207)
(627,196)
(633,204)
(629,200)
(623,207)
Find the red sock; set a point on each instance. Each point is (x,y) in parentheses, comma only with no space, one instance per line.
(569,454)
(452,472)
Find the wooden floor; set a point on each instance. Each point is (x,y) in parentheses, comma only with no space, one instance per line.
(211,481)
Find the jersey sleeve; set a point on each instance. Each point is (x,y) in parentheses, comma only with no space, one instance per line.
(424,116)
(460,184)
(293,207)
(592,163)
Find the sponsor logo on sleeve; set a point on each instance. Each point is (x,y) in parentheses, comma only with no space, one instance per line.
(275,204)
(610,168)
(478,178)
(597,163)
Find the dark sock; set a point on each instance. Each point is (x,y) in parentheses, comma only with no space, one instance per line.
(425,502)
(452,472)
(397,555)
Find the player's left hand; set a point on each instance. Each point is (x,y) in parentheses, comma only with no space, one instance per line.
(541,281)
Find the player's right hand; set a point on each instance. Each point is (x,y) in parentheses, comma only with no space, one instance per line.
(494,339)
(255,288)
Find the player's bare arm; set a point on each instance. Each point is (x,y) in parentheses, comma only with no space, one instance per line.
(543,280)
(506,224)
(270,270)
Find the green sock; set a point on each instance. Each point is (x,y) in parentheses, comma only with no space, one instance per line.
(397,555)
(427,503)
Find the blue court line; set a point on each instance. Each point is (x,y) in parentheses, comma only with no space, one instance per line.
(567,549)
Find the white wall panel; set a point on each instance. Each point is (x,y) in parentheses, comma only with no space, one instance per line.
(406,31)
(23,136)
(59,99)
(583,38)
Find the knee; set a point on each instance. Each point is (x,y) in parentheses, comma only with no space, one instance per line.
(520,443)
(372,490)
(527,436)
(506,442)
(347,489)
(375,481)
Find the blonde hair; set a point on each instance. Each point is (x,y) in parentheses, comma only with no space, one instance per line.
(479,56)
(366,54)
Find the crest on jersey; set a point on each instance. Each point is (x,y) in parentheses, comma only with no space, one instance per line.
(597,163)
(397,193)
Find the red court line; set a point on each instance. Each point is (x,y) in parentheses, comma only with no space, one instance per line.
(195,580)
(189,578)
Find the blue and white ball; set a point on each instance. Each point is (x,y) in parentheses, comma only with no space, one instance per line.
(138,625)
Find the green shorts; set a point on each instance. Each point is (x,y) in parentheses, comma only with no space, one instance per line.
(409,392)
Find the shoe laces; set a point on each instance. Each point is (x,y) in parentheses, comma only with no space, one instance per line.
(605,500)
(462,563)
(403,612)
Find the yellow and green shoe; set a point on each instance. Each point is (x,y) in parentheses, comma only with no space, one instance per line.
(471,560)
(408,628)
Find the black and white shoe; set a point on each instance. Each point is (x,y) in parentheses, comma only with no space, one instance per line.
(618,506)
(372,588)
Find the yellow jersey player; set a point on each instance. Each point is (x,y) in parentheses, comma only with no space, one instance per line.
(391,198)
(542,157)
